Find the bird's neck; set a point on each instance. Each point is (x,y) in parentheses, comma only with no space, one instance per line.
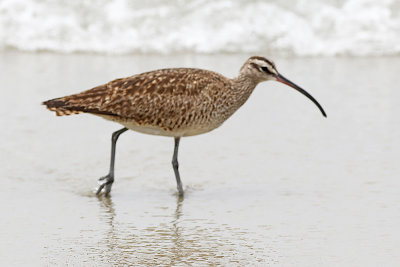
(242,87)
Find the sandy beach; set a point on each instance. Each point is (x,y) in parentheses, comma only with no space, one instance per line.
(276,185)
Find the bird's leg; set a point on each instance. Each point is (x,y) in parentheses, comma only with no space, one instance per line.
(109,178)
(175,165)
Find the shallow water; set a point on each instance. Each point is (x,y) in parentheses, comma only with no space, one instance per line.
(277,184)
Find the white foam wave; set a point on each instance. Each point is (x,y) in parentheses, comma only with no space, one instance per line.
(299,27)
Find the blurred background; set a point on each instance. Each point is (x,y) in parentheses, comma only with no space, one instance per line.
(287,27)
(276,185)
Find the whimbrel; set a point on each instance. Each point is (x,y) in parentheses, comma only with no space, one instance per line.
(173,102)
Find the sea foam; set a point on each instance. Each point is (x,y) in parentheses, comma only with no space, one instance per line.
(295,27)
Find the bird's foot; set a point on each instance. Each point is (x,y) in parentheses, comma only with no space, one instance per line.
(106,183)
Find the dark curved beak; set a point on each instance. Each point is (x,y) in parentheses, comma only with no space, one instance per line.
(282,79)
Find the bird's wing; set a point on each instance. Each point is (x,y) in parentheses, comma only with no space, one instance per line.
(138,97)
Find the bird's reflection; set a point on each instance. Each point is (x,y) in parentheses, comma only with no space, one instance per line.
(177,231)
(178,210)
(108,209)
(118,240)
(108,215)
(157,234)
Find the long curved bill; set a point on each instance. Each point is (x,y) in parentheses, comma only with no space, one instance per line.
(282,79)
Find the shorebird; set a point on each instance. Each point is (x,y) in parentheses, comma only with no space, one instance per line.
(174,102)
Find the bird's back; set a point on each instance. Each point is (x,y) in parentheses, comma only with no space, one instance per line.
(168,101)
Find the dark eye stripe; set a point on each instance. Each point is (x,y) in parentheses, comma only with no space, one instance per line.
(266,70)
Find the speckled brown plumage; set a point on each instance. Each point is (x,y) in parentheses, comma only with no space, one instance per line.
(173,102)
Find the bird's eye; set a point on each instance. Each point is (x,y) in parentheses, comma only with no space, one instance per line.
(266,70)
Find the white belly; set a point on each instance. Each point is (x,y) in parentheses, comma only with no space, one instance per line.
(154,130)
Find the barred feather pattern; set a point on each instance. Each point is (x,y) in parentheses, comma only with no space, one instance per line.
(178,101)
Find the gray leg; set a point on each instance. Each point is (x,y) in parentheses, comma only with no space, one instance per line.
(109,178)
(175,165)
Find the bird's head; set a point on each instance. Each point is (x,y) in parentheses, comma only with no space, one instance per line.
(260,69)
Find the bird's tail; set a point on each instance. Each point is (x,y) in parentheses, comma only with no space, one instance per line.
(61,106)
(89,101)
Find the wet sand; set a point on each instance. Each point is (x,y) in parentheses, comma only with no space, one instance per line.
(276,185)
